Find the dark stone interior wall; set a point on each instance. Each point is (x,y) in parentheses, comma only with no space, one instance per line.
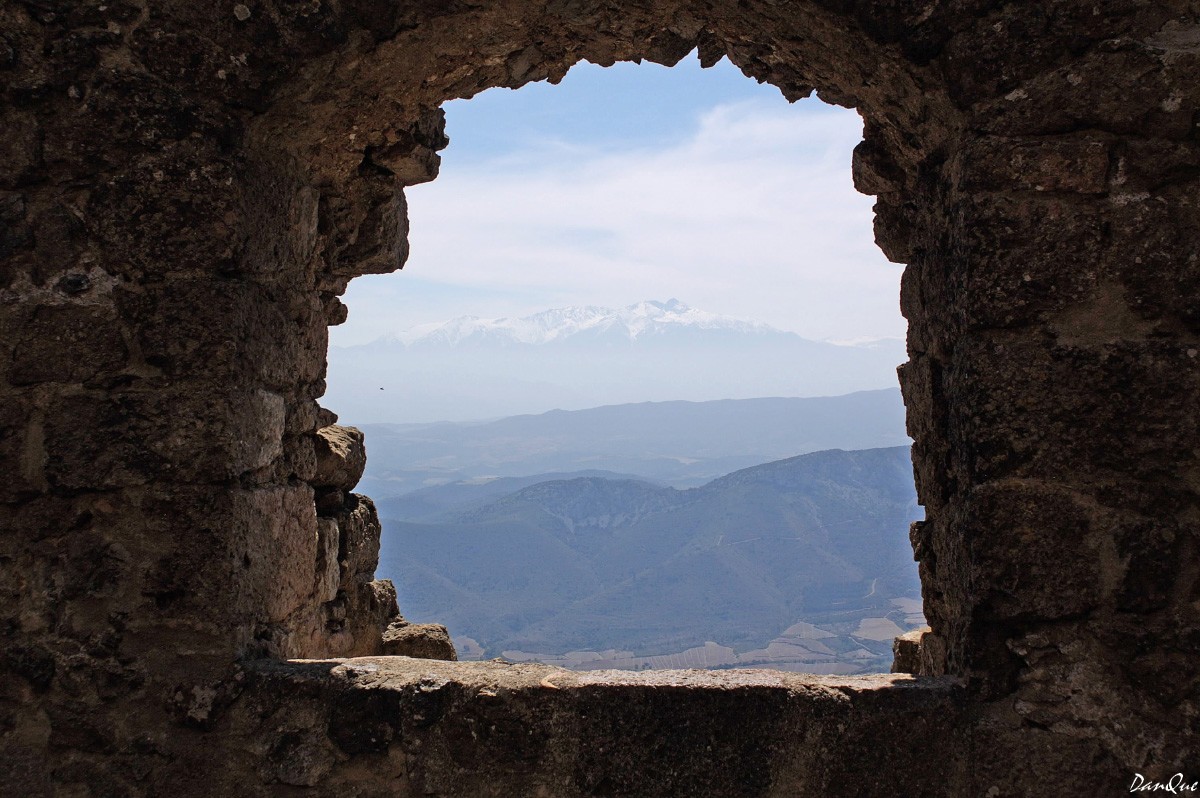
(187,187)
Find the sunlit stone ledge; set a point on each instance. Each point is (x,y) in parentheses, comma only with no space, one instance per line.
(492,728)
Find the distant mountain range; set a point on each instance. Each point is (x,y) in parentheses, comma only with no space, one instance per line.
(802,563)
(643,320)
(683,444)
(578,357)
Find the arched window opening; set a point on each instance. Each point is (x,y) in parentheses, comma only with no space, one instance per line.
(633,404)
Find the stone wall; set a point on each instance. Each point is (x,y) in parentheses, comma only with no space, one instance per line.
(187,186)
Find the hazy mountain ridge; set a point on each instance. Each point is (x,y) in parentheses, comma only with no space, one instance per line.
(591,563)
(679,443)
(450,500)
(584,502)
(580,357)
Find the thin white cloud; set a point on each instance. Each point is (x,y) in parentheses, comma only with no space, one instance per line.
(754,215)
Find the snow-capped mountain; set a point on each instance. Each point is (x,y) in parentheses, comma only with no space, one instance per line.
(574,358)
(635,321)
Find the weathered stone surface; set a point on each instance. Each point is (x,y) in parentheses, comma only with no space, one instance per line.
(419,640)
(69,343)
(347,610)
(341,458)
(496,729)
(128,438)
(329,570)
(906,652)
(187,188)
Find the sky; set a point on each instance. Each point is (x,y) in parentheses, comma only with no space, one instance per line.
(639,182)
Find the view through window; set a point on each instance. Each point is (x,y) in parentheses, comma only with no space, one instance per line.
(633,402)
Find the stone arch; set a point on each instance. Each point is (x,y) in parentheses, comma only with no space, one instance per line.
(186,189)
(364,121)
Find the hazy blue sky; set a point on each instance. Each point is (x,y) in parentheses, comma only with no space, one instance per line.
(641,182)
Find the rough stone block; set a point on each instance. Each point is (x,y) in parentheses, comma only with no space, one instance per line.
(496,729)
(1099,422)
(328,568)
(419,640)
(68,343)
(245,334)
(103,443)
(370,608)
(15,233)
(21,449)
(256,564)
(341,458)
(1077,165)
(1155,259)
(290,552)
(20,146)
(359,524)
(1025,259)
(906,652)
(1020,565)
(185,434)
